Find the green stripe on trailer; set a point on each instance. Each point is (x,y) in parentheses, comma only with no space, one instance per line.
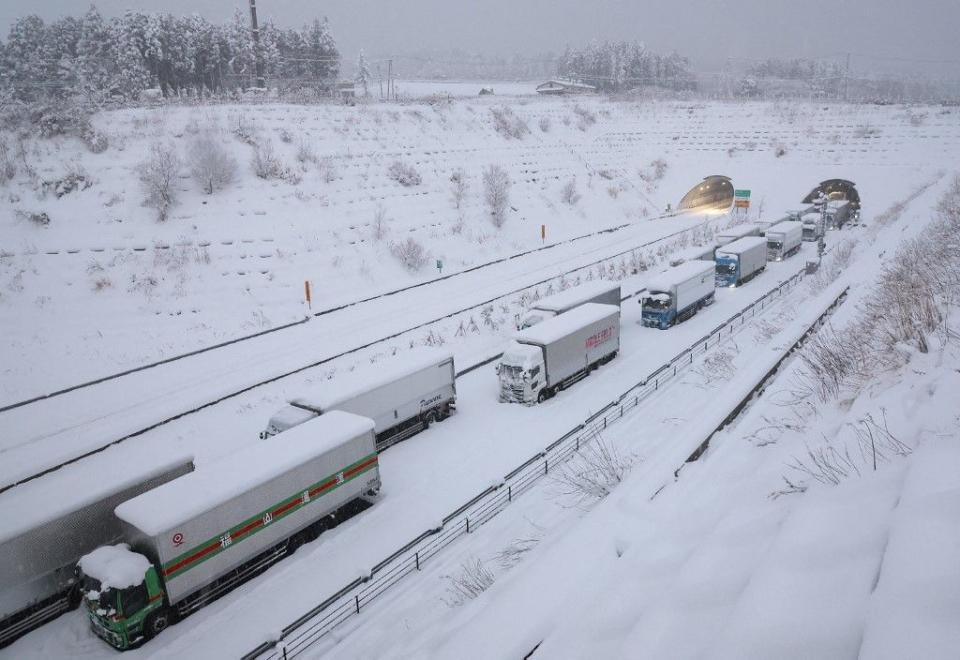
(246,529)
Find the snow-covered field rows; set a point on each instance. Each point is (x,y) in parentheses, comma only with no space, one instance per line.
(105,287)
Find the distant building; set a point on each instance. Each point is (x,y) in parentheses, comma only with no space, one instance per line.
(345,90)
(562,87)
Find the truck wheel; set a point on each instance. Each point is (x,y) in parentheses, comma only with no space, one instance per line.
(156,623)
(543,395)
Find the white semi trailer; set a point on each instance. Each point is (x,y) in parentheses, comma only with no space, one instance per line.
(598,291)
(48,524)
(553,355)
(402,395)
(678,293)
(784,240)
(191,540)
(740,261)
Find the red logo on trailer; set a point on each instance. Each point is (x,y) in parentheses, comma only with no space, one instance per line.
(604,335)
(177,539)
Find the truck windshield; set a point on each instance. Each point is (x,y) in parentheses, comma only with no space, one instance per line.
(726,268)
(775,245)
(511,370)
(657,302)
(104,599)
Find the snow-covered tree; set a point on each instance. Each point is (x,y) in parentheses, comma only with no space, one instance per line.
(363,73)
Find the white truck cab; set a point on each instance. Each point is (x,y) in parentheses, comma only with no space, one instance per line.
(521,372)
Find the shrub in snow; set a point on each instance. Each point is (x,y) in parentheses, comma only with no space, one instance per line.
(8,169)
(75,179)
(585,118)
(507,124)
(267,165)
(306,154)
(404,174)
(459,186)
(157,174)
(379,228)
(496,193)
(327,170)
(410,253)
(211,165)
(473,579)
(544,124)
(569,193)
(593,472)
(41,219)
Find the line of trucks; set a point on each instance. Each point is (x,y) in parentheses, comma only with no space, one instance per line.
(145,549)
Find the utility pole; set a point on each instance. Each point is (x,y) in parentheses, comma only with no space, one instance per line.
(380,80)
(255,31)
(389,77)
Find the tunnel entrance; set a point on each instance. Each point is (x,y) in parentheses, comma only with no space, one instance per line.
(836,189)
(714,192)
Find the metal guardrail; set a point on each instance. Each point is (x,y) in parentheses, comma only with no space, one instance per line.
(349,601)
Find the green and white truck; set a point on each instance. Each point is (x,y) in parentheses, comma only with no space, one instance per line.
(193,539)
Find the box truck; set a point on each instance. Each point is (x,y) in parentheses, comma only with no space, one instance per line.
(402,395)
(740,261)
(558,352)
(48,524)
(838,213)
(598,291)
(677,294)
(191,540)
(783,240)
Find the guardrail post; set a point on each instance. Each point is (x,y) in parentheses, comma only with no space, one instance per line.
(418,559)
(356,600)
(546,465)
(510,492)
(604,422)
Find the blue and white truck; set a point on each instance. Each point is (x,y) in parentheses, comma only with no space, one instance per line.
(740,261)
(677,294)
(784,240)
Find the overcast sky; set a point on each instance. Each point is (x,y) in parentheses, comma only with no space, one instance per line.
(909,35)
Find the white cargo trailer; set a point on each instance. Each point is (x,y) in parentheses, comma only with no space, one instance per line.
(48,524)
(554,354)
(598,291)
(740,261)
(838,212)
(730,234)
(402,395)
(677,294)
(198,536)
(784,240)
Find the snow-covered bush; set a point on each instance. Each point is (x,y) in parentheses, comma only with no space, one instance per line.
(211,165)
(157,174)
(379,226)
(75,179)
(585,118)
(267,165)
(458,186)
(507,124)
(410,253)
(544,124)
(8,168)
(592,473)
(496,193)
(569,193)
(404,174)
(306,154)
(473,579)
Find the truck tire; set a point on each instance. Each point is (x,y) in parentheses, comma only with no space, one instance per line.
(156,623)
(543,395)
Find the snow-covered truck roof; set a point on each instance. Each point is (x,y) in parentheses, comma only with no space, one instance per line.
(742,245)
(575,295)
(559,327)
(115,566)
(343,387)
(74,487)
(785,227)
(670,278)
(738,231)
(210,486)
(837,203)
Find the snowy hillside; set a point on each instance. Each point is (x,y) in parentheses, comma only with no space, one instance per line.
(680,566)
(104,286)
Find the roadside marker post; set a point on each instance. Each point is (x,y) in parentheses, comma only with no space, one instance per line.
(306,292)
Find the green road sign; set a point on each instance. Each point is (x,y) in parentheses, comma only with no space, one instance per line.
(742,194)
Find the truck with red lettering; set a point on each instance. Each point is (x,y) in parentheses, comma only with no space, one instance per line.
(194,538)
(556,353)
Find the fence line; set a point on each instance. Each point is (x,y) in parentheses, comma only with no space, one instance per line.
(350,600)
